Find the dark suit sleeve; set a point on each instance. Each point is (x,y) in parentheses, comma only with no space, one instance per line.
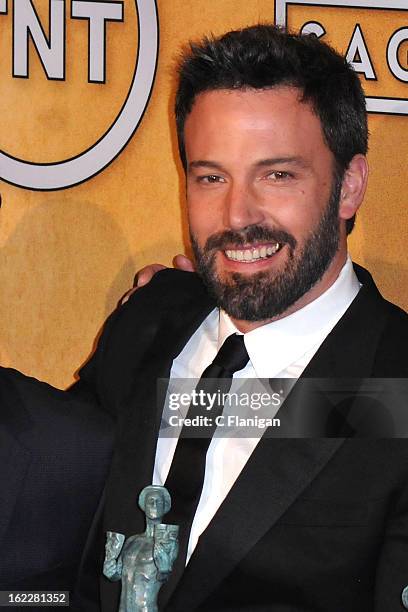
(129,332)
(100,379)
(88,387)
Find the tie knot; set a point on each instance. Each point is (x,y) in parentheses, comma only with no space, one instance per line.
(232,355)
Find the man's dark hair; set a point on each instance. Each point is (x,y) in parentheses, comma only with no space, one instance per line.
(265,56)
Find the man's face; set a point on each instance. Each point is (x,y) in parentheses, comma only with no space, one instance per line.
(262,200)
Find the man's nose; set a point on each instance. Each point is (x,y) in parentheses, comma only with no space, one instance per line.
(241,207)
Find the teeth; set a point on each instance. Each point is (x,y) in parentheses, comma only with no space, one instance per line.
(249,255)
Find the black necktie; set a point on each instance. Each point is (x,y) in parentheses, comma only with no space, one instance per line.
(186,476)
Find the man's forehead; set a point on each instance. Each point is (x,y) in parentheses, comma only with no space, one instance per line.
(249,107)
(259,124)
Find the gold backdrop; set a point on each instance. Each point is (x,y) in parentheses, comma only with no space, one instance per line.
(68,255)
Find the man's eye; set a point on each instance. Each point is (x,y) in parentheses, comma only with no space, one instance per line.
(210,178)
(278,175)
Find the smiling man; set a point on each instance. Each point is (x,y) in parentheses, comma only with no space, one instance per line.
(266,201)
(273,134)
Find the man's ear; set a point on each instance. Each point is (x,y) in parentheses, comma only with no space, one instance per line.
(353,187)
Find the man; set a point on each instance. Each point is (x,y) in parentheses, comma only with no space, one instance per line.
(55,452)
(272,134)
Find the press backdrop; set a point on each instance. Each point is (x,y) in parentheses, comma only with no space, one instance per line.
(67,255)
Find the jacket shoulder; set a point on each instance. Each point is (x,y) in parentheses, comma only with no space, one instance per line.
(169,287)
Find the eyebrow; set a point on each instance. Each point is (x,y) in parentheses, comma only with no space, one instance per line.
(271,161)
(202,163)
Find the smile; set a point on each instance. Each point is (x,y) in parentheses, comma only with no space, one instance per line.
(251,254)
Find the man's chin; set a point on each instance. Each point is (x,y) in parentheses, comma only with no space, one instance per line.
(245,297)
(229,279)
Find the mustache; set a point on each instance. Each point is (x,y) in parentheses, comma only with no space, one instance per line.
(248,235)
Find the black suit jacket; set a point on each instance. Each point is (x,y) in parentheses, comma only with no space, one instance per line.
(54,456)
(310,524)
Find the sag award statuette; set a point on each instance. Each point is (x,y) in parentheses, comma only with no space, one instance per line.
(143,561)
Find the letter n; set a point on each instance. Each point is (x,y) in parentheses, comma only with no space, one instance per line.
(51,51)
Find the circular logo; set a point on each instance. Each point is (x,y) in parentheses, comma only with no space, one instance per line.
(70,172)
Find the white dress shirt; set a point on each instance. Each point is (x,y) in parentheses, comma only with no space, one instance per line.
(281,349)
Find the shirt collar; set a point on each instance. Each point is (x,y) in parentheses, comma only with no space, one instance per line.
(274,346)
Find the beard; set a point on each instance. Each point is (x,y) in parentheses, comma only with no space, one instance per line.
(267,294)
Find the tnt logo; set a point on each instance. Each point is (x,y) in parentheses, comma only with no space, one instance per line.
(373,35)
(76,78)
(51,51)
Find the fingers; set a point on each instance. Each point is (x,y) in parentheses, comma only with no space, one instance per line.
(146,274)
(143,277)
(183,263)
(127,295)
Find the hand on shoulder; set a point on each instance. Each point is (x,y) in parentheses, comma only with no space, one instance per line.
(145,275)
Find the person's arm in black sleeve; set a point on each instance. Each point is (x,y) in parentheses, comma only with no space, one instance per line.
(87,387)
